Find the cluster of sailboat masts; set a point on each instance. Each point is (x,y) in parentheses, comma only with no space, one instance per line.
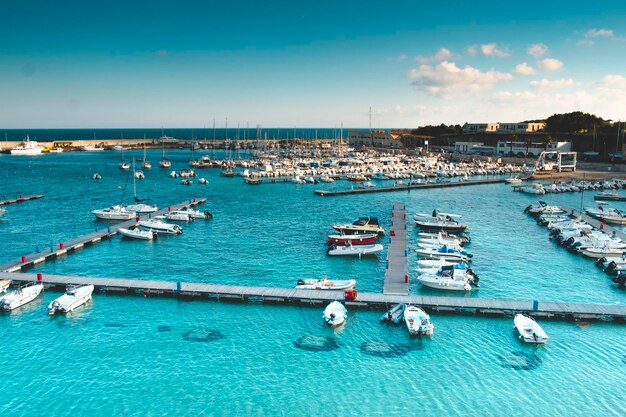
(582,238)
(573,186)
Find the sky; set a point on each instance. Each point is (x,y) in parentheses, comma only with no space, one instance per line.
(156,63)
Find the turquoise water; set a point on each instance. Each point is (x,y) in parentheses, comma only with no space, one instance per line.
(136,356)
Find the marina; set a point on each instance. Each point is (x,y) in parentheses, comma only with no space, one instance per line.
(407,187)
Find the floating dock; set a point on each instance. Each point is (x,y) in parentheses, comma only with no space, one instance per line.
(396,274)
(50,253)
(330,193)
(271,295)
(20,199)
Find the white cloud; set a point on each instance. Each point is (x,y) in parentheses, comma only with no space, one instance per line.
(397,108)
(492,49)
(524,69)
(552,84)
(447,80)
(585,42)
(402,58)
(441,55)
(550,64)
(537,50)
(599,33)
(612,80)
(471,50)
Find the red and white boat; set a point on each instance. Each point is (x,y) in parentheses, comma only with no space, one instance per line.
(357,239)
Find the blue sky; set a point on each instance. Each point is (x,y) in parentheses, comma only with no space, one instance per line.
(318,64)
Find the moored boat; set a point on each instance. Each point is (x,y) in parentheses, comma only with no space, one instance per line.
(141,208)
(75,296)
(439,221)
(137,233)
(335,314)
(27,148)
(4,285)
(417,321)
(161,227)
(114,213)
(361,225)
(358,250)
(529,330)
(325,284)
(357,239)
(20,296)
(395,314)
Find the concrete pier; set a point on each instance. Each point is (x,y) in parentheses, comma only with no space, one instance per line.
(330,193)
(396,274)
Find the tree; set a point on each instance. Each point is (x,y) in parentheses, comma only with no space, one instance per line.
(575,122)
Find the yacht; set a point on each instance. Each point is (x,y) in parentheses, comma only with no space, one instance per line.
(418,322)
(335,314)
(20,296)
(114,213)
(26,148)
(529,330)
(75,296)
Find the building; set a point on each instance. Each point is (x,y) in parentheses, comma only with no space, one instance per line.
(522,127)
(513,148)
(375,139)
(464,147)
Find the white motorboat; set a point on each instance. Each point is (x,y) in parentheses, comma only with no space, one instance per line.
(513,181)
(325,284)
(529,330)
(533,189)
(137,233)
(27,148)
(609,215)
(434,263)
(161,227)
(203,181)
(395,314)
(186,181)
(335,314)
(357,250)
(454,278)
(20,296)
(439,221)
(141,208)
(361,225)
(4,285)
(443,253)
(418,322)
(196,214)
(90,148)
(75,296)
(114,213)
(298,180)
(178,216)
(326,179)
(438,269)
(139,175)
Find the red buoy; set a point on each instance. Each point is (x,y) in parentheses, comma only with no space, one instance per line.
(23,259)
(406,278)
(61,245)
(39,277)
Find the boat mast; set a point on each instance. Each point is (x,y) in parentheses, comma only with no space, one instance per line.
(134,182)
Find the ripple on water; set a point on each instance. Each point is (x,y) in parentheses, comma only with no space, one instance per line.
(520,361)
(203,336)
(384,349)
(315,343)
(114,325)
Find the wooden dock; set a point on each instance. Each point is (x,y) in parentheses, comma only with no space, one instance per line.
(396,274)
(64,248)
(271,295)
(20,199)
(405,187)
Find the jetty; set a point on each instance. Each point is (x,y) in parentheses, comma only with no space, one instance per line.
(598,224)
(396,274)
(50,253)
(316,298)
(20,199)
(405,187)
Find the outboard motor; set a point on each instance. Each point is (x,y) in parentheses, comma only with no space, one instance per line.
(207,215)
(53,308)
(610,268)
(300,282)
(568,242)
(601,261)
(527,209)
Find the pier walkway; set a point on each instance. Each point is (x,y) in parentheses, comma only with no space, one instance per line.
(271,295)
(50,253)
(396,274)
(20,199)
(330,193)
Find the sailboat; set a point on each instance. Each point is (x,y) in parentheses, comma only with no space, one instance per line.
(165,163)
(138,206)
(145,164)
(123,164)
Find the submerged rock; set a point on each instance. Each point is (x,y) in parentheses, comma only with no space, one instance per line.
(520,361)
(315,343)
(161,329)
(203,336)
(384,349)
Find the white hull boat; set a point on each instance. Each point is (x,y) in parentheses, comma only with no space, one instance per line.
(27,148)
(4,285)
(335,314)
(196,214)
(529,330)
(434,263)
(418,322)
(178,216)
(73,298)
(359,250)
(325,284)
(142,208)
(444,283)
(443,253)
(137,233)
(395,314)
(114,213)
(161,227)
(20,296)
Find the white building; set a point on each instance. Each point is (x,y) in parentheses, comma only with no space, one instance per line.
(464,147)
(480,127)
(522,127)
(507,147)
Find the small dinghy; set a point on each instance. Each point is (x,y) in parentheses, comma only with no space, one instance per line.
(358,250)
(20,296)
(395,314)
(418,322)
(4,285)
(528,329)
(75,296)
(161,227)
(335,314)
(97,176)
(356,239)
(137,233)
(325,284)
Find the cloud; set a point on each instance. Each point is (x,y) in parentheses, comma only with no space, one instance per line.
(552,84)
(402,58)
(537,50)
(550,64)
(524,69)
(585,42)
(441,55)
(492,49)
(471,50)
(447,80)
(612,80)
(599,33)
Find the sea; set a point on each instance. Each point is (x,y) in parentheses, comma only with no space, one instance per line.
(136,356)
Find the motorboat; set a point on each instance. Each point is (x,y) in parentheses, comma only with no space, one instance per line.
(2,211)
(434,263)
(74,297)
(443,239)
(361,225)
(161,227)
(454,278)
(513,181)
(178,216)
(114,213)
(325,284)
(27,148)
(335,314)
(298,180)
(395,314)
(439,221)
(139,175)
(137,233)
(418,322)
(437,269)
(141,208)
(4,285)
(609,215)
(358,250)
(463,238)
(533,189)
(366,184)
(91,148)
(186,181)
(357,239)
(326,179)
(529,330)
(203,181)
(97,176)
(543,208)
(124,166)
(20,296)
(445,253)
(165,163)
(196,214)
